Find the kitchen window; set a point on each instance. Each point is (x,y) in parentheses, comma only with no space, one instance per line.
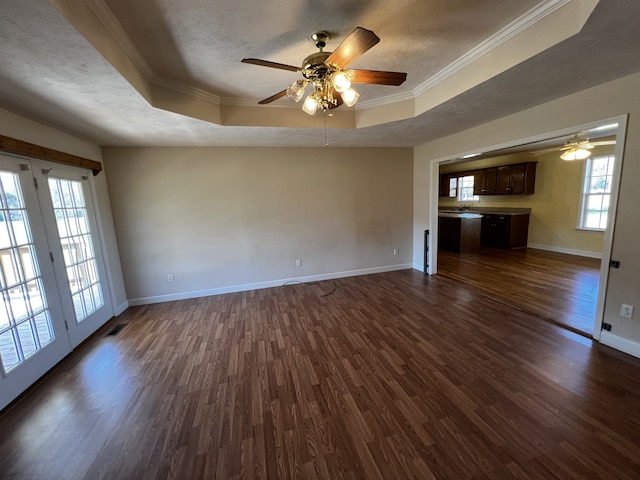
(596,193)
(465,189)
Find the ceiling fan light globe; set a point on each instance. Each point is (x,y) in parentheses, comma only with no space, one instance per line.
(350,97)
(575,153)
(310,105)
(296,90)
(341,82)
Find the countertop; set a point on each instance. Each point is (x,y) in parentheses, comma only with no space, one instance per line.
(486,211)
(459,215)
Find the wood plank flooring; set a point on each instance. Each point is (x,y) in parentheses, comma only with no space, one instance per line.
(557,287)
(391,376)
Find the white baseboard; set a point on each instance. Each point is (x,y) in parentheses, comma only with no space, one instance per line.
(624,345)
(121,308)
(569,251)
(257,286)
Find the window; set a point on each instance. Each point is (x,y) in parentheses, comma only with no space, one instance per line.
(596,193)
(453,187)
(465,189)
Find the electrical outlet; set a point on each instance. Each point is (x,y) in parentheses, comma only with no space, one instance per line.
(396,251)
(170,278)
(626,310)
(298,262)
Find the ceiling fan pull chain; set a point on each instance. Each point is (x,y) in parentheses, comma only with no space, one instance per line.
(324,116)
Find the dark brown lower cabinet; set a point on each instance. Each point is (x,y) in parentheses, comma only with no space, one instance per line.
(504,231)
(459,234)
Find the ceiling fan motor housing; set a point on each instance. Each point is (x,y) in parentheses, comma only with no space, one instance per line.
(320,38)
(316,61)
(316,70)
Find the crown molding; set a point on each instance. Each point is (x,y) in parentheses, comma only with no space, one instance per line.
(382,101)
(187,89)
(514,28)
(102,11)
(118,34)
(115,29)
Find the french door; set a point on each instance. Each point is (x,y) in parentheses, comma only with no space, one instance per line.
(66,199)
(52,276)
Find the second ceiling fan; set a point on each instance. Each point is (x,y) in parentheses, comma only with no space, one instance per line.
(576,148)
(327,74)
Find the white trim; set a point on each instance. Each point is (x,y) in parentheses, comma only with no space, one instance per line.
(569,251)
(121,308)
(388,100)
(621,136)
(106,16)
(185,89)
(519,25)
(621,120)
(619,343)
(584,229)
(257,286)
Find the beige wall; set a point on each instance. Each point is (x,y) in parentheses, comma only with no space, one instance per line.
(223,218)
(555,205)
(21,128)
(606,101)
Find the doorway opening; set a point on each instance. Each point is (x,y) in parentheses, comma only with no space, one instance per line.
(52,272)
(555,263)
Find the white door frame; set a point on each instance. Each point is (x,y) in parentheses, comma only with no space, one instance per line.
(45,230)
(26,373)
(77,331)
(621,133)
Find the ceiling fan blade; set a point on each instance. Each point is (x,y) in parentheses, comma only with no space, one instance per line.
(273,98)
(357,43)
(266,63)
(604,142)
(546,150)
(378,77)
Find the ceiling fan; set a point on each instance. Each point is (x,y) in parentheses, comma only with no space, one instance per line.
(326,73)
(577,148)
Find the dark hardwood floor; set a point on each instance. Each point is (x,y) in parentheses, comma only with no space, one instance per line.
(557,287)
(391,376)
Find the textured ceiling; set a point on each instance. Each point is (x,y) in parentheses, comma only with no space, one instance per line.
(54,67)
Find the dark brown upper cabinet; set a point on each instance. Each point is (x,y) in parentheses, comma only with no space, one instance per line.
(449,185)
(484,181)
(518,178)
(444,185)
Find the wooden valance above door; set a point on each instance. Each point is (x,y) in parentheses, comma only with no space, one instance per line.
(18,147)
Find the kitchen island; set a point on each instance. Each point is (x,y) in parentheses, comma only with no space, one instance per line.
(501,227)
(459,232)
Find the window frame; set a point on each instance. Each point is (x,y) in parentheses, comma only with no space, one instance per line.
(586,193)
(461,189)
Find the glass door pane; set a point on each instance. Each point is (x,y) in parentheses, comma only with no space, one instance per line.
(79,256)
(25,322)
(33,336)
(70,220)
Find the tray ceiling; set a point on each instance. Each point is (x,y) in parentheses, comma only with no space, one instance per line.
(168,72)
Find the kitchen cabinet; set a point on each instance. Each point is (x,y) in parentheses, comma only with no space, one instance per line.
(459,232)
(484,181)
(504,230)
(518,178)
(445,185)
